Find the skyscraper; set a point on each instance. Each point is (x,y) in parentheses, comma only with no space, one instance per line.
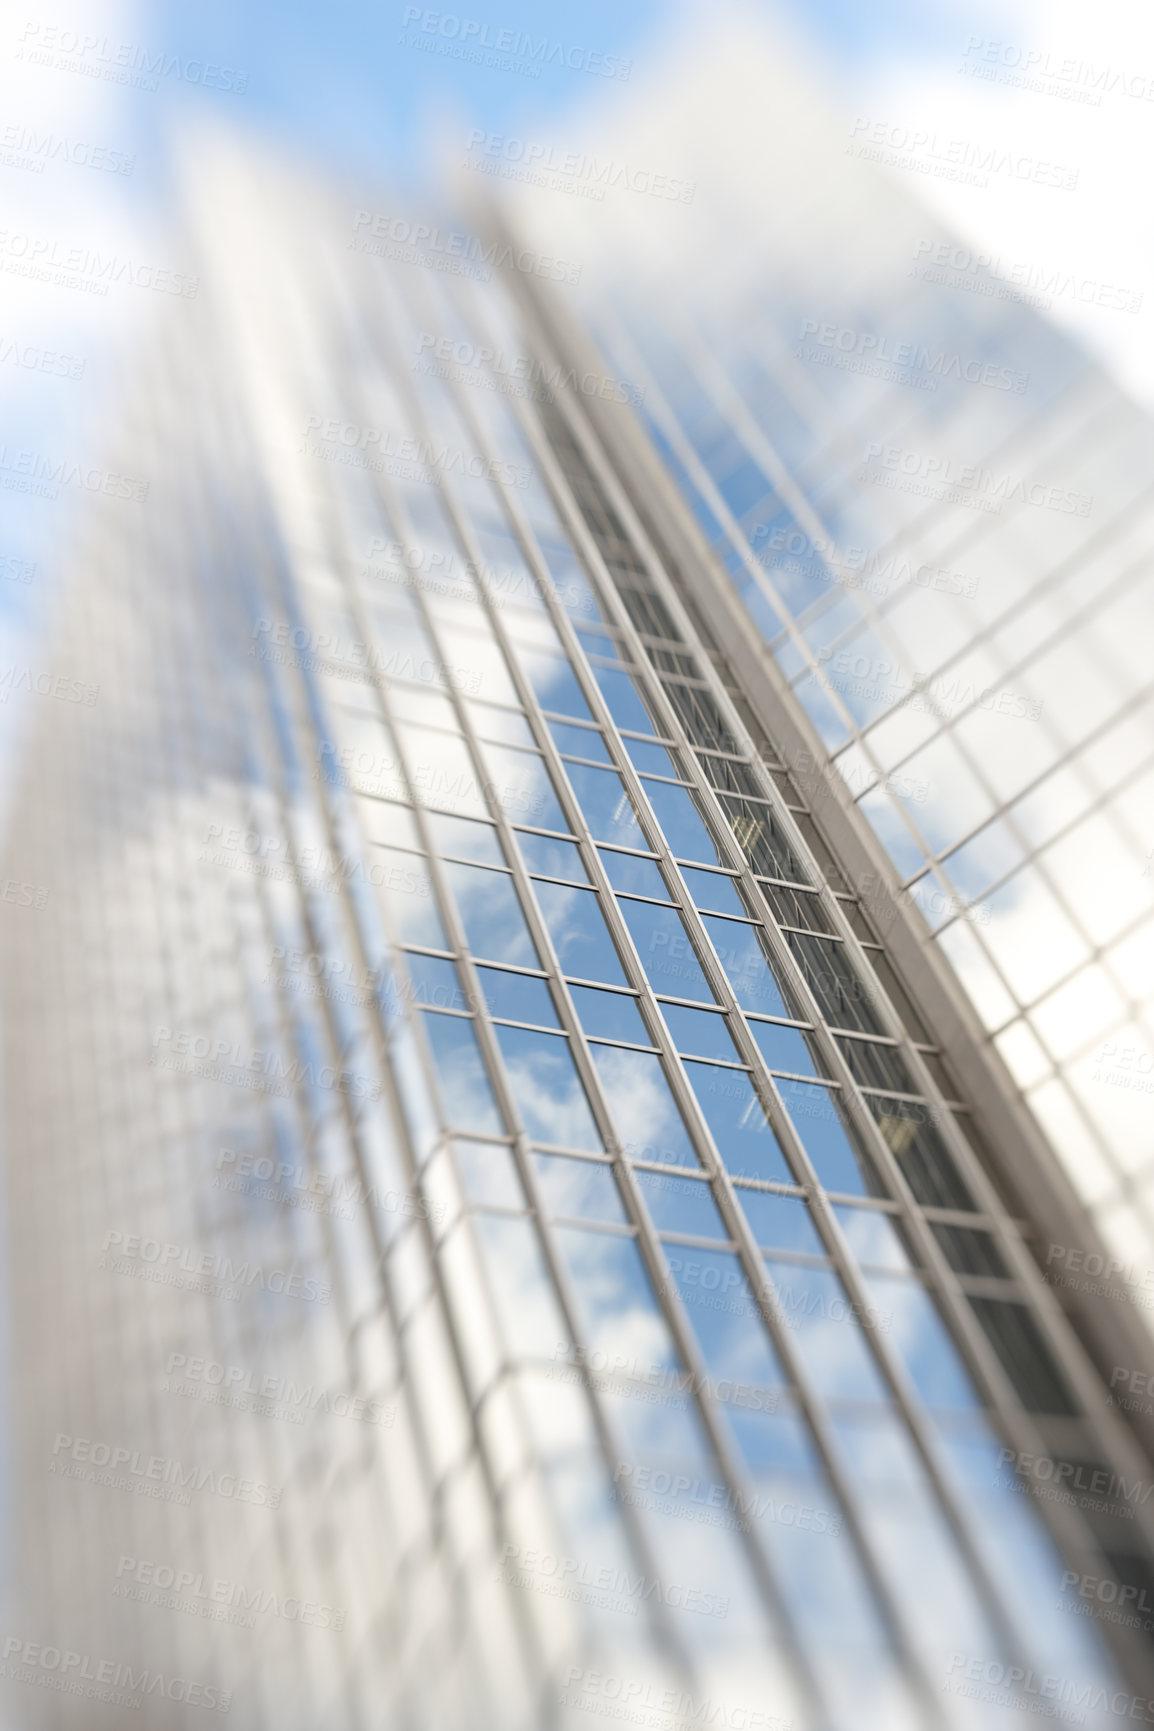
(528,1237)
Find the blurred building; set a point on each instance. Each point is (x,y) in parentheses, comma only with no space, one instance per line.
(511,1225)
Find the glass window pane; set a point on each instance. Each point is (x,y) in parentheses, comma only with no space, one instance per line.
(780,1222)
(579,933)
(649,759)
(623,699)
(725,1315)
(826,1137)
(463,1081)
(843,997)
(703,1033)
(922,1341)
(969,1251)
(681,1205)
(738,1123)
(523,1291)
(713,890)
(502,726)
(740,953)
(874,1238)
(436,983)
(784,1048)
(465,838)
(491,914)
(517,997)
(908,1130)
(547,1090)
(554,683)
(837,1359)
(639,877)
(407,890)
(519,785)
(681,823)
(605,805)
(758,832)
(668,957)
(617,1306)
(488,1175)
(551,857)
(609,1015)
(580,741)
(649,1126)
(579,1189)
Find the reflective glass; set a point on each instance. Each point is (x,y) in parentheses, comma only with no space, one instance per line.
(579,1189)
(681,1205)
(666,953)
(579,934)
(681,823)
(623,699)
(518,784)
(649,1126)
(919,1336)
(649,758)
(784,1048)
(634,876)
(874,1238)
(463,1081)
(740,952)
(703,1033)
(547,1090)
(488,1175)
(738,1123)
(714,891)
(609,1015)
(833,1347)
(725,1315)
(825,1135)
(465,838)
(552,857)
(517,997)
(407,890)
(554,683)
(435,982)
(605,805)
(780,1222)
(579,741)
(491,914)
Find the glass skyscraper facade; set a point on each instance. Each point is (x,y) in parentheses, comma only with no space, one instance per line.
(575,1257)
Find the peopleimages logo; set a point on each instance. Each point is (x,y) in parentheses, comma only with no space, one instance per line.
(109,1680)
(420,241)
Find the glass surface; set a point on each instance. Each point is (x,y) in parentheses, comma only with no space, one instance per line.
(554,683)
(681,823)
(874,1238)
(579,1189)
(816,1116)
(837,1359)
(578,933)
(407,890)
(605,805)
(519,785)
(737,1122)
(623,699)
(551,857)
(517,997)
(463,1082)
(713,891)
(634,876)
(648,1124)
(917,1333)
(547,1090)
(784,1048)
(780,1222)
(740,952)
(488,1175)
(668,957)
(464,838)
(681,1205)
(725,1315)
(491,914)
(573,741)
(702,1033)
(609,1015)
(648,757)
(435,982)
